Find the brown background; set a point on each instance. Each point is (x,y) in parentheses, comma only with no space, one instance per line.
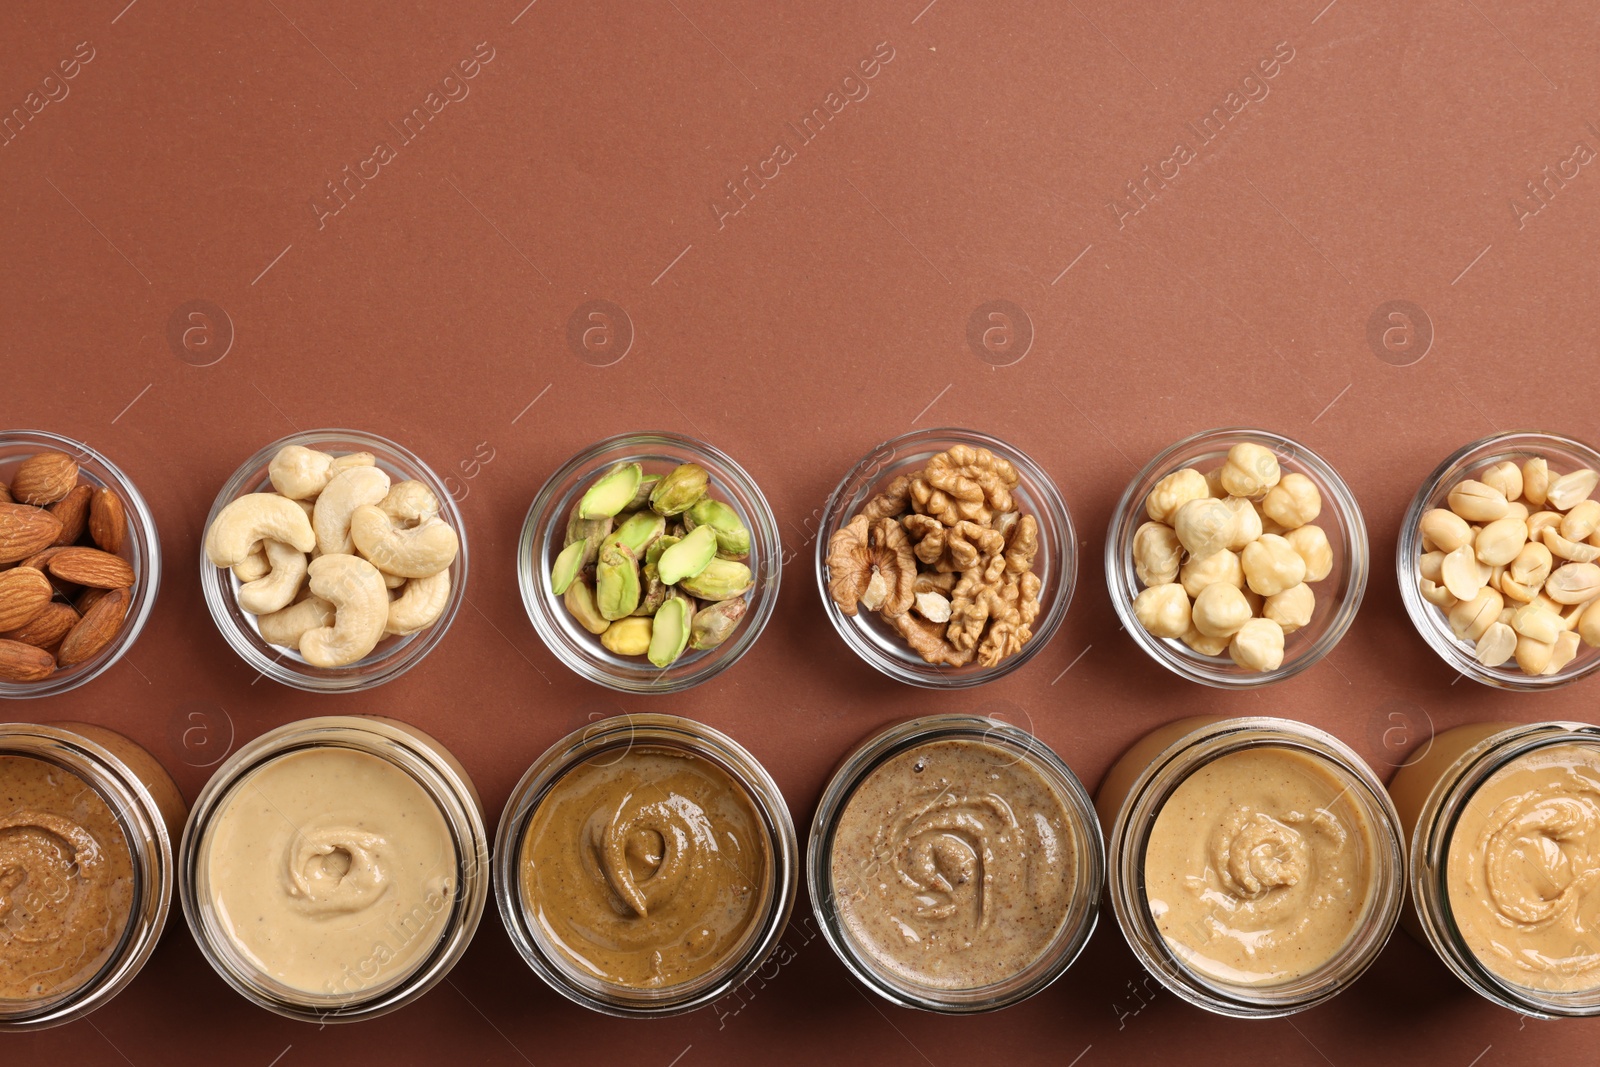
(829,314)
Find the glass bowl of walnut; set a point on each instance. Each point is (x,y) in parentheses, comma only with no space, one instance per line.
(1499,561)
(1237,558)
(946,558)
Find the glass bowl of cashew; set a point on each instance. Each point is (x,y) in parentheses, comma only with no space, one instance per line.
(1237,558)
(333,560)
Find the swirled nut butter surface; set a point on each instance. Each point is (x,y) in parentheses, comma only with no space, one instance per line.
(1259,867)
(646,869)
(66,880)
(331,870)
(953,864)
(1524,870)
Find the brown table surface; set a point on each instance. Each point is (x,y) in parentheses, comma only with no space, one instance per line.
(589,160)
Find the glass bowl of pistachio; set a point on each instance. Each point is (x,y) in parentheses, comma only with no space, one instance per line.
(649,562)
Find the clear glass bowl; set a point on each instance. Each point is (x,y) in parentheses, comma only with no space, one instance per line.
(617,736)
(1139,785)
(149,809)
(1565,455)
(142,548)
(544,533)
(394,655)
(878,643)
(1338,595)
(1089,863)
(439,775)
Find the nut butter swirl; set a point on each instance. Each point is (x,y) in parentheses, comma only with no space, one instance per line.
(1524,872)
(647,870)
(953,864)
(66,880)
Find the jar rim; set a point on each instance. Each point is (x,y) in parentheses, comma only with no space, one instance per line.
(1431,623)
(1129,513)
(150,848)
(1089,857)
(220,587)
(655,730)
(546,516)
(1135,821)
(144,544)
(432,767)
(1430,843)
(1058,546)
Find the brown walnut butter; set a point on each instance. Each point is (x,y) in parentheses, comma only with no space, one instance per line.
(1524,870)
(66,880)
(953,864)
(647,870)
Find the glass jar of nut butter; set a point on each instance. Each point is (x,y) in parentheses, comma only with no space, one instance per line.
(87,821)
(1503,821)
(1255,863)
(334,869)
(955,864)
(645,865)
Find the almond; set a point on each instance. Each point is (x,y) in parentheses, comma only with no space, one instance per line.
(73,511)
(25,530)
(88,599)
(24,663)
(40,559)
(5,494)
(44,478)
(108,520)
(96,629)
(46,628)
(91,567)
(23,594)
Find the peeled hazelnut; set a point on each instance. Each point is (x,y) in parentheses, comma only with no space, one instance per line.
(1477,502)
(1272,565)
(1220,610)
(1206,646)
(1292,608)
(1163,610)
(1250,471)
(1258,646)
(1293,502)
(1312,545)
(1156,553)
(1218,567)
(1204,526)
(1174,491)
(1246,522)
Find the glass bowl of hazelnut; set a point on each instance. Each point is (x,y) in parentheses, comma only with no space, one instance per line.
(946,558)
(1237,558)
(1499,561)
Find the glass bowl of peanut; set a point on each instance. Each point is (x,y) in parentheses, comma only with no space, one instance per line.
(1237,558)
(1499,561)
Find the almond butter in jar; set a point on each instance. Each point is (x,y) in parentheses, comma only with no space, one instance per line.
(1503,821)
(1255,863)
(87,819)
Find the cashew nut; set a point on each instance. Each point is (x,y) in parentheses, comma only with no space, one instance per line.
(344,493)
(287,626)
(254,566)
(420,604)
(300,473)
(257,517)
(361,606)
(277,588)
(409,503)
(414,553)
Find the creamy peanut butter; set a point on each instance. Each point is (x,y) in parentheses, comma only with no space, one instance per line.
(1260,866)
(954,864)
(331,870)
(647,869)
(66,880)
(1524,870)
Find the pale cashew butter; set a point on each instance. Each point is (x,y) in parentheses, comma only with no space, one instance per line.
(1260,866)
(1524,870)
(332,871)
